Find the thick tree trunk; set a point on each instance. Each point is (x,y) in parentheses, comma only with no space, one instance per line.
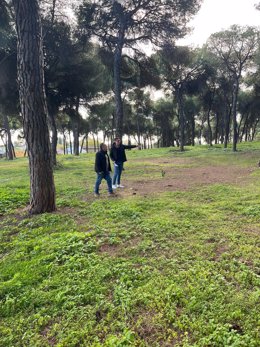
(33,105)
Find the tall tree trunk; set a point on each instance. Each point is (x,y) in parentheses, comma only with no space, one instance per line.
(227,127)
(75,129)
(53,11)
(9,145)
(181,118)
(94,142)
(208,118)
(54,138)
(33,105)
(209,128)
(71,149)
(87,143)
(254,129)
(82,143)
(217,128)
(14,155)
(234,114)
(119,112)
(192,131)
(244,127)
(64,142)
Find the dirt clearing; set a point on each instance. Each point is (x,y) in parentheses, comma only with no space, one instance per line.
(181,174)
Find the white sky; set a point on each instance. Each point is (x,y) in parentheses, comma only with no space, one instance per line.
(216,15)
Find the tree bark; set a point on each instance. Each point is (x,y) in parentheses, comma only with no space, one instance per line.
(33,105)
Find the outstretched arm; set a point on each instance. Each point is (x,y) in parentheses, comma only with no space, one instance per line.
(129,146)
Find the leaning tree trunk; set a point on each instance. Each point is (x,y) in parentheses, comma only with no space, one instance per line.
(33,105)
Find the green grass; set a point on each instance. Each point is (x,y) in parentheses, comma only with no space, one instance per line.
(177,268)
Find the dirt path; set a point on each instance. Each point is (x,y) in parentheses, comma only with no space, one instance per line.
(172,177)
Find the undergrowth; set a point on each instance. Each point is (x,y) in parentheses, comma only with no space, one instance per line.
(172,269)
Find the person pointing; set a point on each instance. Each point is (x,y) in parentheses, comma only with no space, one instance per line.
(118,156)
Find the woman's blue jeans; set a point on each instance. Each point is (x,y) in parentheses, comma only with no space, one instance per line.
(106,176)
(118,167)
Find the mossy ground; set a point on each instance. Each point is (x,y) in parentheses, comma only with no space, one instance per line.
(173,268)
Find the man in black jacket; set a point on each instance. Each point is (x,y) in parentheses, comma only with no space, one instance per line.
(103,168)
(117,154)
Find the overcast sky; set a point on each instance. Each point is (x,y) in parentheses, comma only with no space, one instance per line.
(215,15)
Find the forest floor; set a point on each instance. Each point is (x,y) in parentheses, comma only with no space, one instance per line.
(147,176)
(172,260)
(181,174)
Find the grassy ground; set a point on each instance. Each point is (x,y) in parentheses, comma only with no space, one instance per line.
(172,268)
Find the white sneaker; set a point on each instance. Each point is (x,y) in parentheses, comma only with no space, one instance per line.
(120,186)
(114,186)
